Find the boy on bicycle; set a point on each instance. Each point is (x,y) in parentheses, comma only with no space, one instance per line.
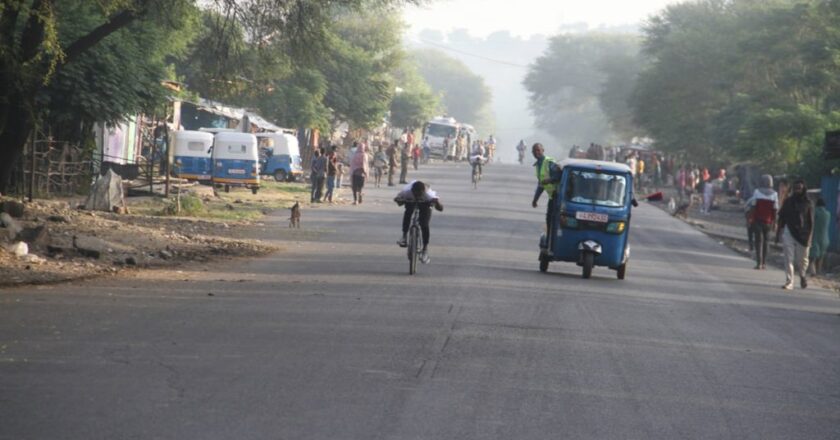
(416,195)
(477,157)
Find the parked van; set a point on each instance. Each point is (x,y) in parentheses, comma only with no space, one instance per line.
(280,156)
(236,160)
(193,155)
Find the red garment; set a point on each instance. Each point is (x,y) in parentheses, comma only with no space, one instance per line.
(764,211)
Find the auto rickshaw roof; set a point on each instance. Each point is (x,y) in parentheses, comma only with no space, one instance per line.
(612,167)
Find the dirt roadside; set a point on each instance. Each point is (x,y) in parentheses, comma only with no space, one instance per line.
(65,243)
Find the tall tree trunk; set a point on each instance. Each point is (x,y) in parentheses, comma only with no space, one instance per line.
(18,127)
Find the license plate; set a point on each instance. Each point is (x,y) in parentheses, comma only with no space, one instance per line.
(592,217)
(236,171)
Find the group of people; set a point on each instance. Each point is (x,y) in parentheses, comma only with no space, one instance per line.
(459,148)
(691,178)
(327,170)
(800,225)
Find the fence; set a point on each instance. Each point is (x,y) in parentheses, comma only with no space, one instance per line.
(55,168)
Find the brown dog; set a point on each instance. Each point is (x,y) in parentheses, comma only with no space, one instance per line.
(683,207)
(294,219)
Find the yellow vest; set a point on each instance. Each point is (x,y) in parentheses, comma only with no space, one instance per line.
(543,173)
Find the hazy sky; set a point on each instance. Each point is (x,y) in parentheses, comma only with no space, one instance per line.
(527,17)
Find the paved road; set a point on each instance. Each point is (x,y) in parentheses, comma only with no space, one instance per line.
(331,339)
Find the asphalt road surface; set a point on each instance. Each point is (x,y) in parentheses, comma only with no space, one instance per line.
(332,339)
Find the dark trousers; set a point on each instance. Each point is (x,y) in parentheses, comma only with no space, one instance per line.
(761,232)
(317,187)
(403,171)
(425,217)
(549,214)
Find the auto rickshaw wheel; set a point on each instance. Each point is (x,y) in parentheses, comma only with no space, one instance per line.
(280,175)
(543,264)
(588,262)
(254,189)
(621,271)
(227,188)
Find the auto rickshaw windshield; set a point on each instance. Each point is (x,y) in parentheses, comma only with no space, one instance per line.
(593,188)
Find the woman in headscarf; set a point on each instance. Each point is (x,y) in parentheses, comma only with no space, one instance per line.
(819,245)
(359,172)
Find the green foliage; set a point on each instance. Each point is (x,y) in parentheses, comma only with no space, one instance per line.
(190,206)
(463,94)
(346,73)
(415,103)
(119,76)
(742,80)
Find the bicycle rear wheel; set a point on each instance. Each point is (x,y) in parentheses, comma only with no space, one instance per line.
(413,248)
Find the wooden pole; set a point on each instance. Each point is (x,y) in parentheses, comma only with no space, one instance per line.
(168,151)
(32,164)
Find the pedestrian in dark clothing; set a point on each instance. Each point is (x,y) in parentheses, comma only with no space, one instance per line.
(359,172)
(796,228)
(392,162)
(332,170)
(318,174)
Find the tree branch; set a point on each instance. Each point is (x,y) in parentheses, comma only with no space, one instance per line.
(115,23)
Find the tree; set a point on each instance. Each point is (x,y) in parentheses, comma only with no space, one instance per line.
(32,52)
(414,103)
(119,76)
(359,66)
(579,87)
(742,80)
(34,46)
(463,94)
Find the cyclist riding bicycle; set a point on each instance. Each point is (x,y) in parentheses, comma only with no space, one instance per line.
(416,195)
(477,158)
(520,148)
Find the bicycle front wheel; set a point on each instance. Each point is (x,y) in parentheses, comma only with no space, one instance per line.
(413,249)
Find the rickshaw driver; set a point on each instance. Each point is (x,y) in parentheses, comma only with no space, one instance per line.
(548,174)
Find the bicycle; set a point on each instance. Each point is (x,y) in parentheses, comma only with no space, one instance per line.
(414,239)
(476,171)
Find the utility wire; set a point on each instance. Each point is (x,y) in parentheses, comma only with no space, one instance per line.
(441,46)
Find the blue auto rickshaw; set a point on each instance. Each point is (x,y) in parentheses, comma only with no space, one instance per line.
(590,222)
(193,154)
(236,160)
(280,156)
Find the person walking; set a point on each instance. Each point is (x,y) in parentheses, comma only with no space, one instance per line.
(415,155)
(796,227)
(392,162)
(332,169)
(359,172)
(761,214)
(405,154)
(380,161)
(819,245)
(317,175)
